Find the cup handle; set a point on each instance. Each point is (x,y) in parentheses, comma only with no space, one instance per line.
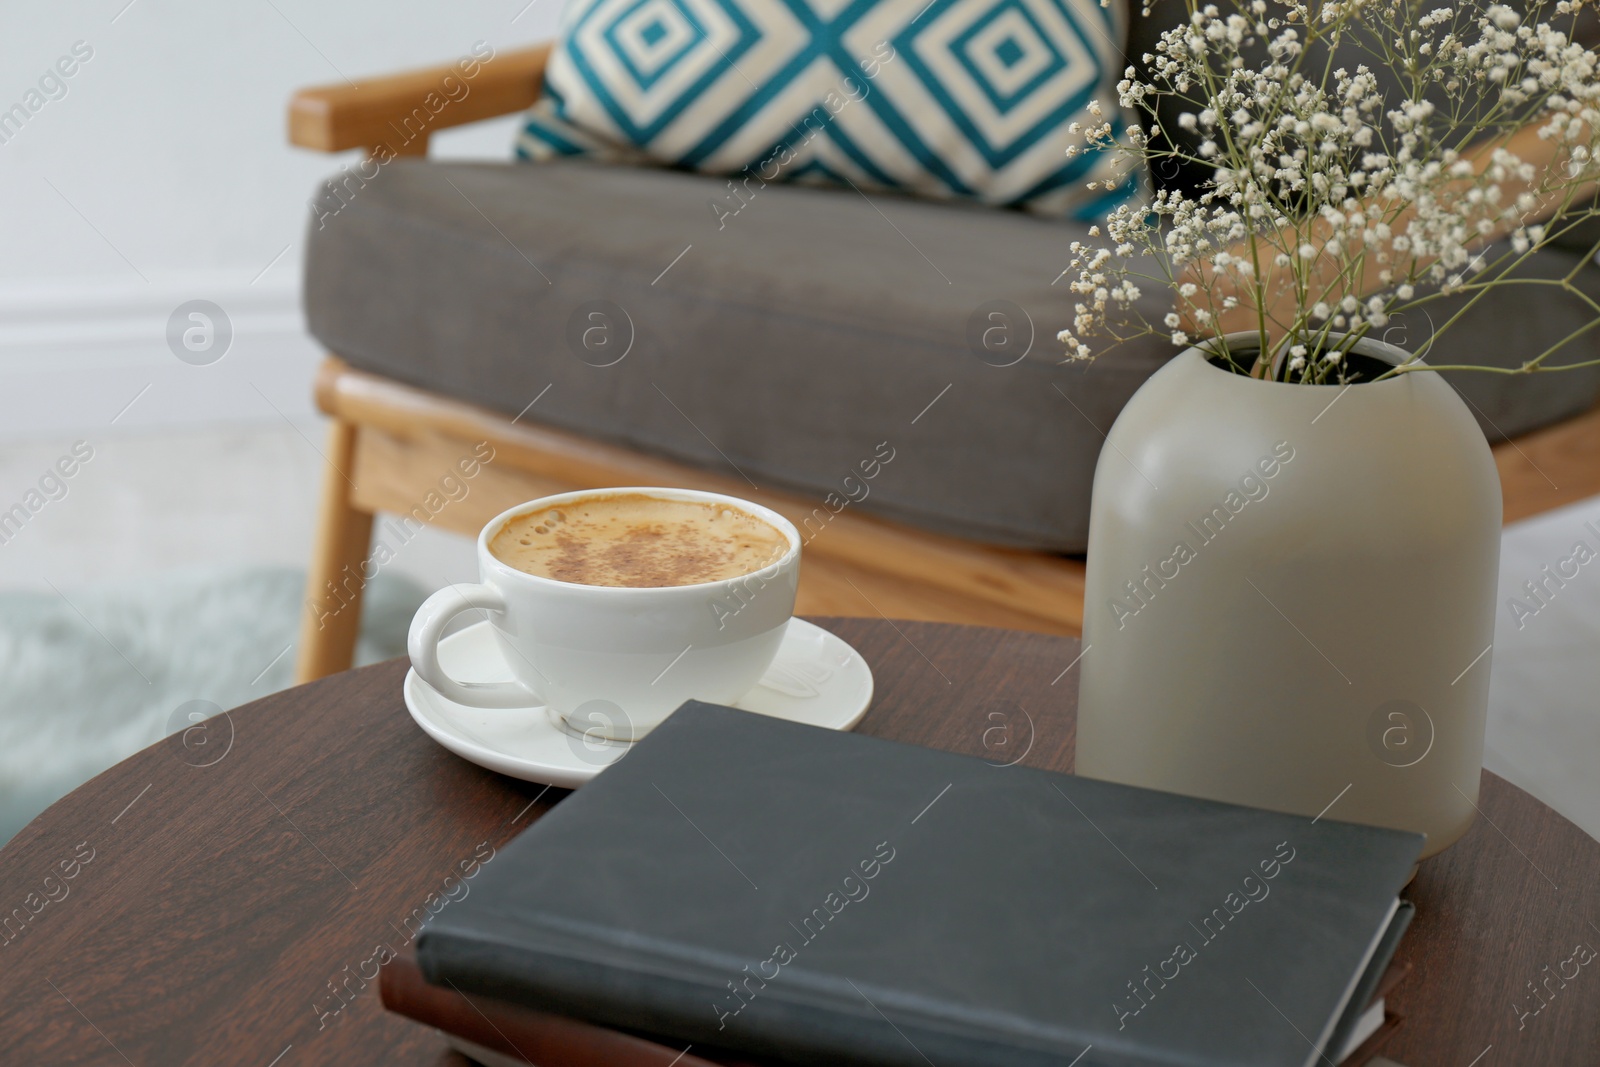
(423,645)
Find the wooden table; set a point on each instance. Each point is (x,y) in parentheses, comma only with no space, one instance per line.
(198,903)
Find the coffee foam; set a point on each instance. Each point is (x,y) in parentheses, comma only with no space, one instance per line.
(633,540)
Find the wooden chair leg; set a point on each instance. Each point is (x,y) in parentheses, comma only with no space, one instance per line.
(335,580)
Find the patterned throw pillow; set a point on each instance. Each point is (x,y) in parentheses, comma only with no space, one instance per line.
(943,98)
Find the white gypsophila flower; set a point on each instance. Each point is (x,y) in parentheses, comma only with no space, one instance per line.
(1322,188)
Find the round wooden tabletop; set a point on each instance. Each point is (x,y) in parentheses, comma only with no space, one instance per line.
(200,902)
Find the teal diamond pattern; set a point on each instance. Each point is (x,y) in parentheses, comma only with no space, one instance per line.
(652,37)
(973,101)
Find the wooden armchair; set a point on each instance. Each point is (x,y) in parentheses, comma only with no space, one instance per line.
(385,433)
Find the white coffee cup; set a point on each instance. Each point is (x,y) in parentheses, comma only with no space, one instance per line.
(615,661)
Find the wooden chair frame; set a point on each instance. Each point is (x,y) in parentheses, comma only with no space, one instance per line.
(391,444)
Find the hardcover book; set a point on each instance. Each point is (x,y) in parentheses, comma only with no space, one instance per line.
(815,897)
(496,1033)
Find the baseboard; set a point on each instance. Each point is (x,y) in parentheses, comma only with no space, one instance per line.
(84,357)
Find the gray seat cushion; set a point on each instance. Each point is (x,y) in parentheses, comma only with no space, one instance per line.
(787,344)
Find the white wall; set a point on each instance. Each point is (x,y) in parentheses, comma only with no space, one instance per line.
(162,175)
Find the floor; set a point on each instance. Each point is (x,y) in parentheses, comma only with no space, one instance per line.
(1544,689)
(145,505)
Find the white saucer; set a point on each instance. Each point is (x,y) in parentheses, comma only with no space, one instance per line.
(816,679)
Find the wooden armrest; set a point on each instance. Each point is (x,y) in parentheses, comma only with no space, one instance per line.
(400,111)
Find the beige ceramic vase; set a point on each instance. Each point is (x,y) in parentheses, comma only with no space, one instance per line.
(1290,596)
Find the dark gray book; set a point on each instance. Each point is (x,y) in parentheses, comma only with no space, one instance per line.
(825,898)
